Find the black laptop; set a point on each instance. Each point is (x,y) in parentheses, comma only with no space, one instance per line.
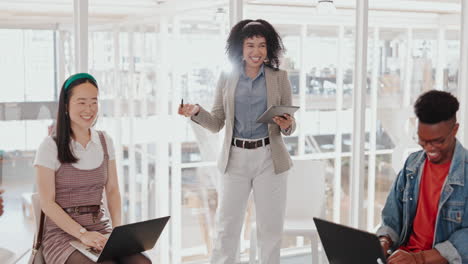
(126,240)
(346,245)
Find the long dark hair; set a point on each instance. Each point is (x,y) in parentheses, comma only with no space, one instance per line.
(249,28)
(63,131)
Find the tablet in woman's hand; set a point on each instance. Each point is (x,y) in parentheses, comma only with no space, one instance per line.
(276,110)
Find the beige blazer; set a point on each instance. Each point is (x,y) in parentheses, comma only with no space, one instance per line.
(222,113)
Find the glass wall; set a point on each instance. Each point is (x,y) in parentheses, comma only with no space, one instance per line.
(403,62)
(34,53)
(150,56)
(146,67)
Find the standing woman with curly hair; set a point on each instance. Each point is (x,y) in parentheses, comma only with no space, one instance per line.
(254,156)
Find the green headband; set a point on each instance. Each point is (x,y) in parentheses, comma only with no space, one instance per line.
(76,77)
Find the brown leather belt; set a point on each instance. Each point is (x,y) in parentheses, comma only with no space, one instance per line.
(250,144)
(86,209)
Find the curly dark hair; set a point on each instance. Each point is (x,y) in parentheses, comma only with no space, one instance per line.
(435,106)
(242,31)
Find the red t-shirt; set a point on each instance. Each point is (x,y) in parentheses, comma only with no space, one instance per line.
(430,187)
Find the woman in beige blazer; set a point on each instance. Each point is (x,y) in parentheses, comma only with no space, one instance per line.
(254,156)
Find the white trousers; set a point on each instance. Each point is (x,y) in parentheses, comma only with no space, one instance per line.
(250,169)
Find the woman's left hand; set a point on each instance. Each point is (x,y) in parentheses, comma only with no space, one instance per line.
(284,121)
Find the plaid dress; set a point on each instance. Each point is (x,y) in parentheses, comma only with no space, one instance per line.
(75,187)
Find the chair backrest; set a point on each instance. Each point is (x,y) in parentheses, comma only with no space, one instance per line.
(36,204)
(306,190)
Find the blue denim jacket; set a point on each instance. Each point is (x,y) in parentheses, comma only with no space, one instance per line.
(451,230)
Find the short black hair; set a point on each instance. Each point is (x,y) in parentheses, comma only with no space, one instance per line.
(246,29)
(435,106)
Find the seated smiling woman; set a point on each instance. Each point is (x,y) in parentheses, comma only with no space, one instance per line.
(73,168)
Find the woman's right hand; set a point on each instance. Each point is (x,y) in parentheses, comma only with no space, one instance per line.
(188,110)
(93,239)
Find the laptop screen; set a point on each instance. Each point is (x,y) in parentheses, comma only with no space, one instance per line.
(344,244)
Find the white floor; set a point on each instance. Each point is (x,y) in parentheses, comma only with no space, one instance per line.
(16,231)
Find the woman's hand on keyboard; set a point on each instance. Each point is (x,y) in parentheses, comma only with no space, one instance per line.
(93,239)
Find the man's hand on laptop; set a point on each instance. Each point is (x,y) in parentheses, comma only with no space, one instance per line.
(93,239)
(404,257)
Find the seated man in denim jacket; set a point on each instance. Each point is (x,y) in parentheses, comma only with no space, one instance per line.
(425,218)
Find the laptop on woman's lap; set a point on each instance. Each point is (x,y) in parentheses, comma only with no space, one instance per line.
(126,240)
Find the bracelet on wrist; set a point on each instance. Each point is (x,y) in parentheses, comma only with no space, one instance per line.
(385,239)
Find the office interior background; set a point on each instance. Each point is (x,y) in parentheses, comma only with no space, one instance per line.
(355,70)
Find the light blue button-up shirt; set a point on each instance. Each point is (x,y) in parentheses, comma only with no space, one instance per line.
(250,103)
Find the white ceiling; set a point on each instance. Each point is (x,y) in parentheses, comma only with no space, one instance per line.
(433,6)
(49,12)
(59,13)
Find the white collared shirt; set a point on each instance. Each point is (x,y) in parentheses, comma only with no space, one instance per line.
(89,157)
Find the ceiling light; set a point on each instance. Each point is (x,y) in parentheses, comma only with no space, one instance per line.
(220,15)
(325,7)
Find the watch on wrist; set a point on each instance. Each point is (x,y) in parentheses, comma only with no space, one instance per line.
(82,231)
(384,239)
